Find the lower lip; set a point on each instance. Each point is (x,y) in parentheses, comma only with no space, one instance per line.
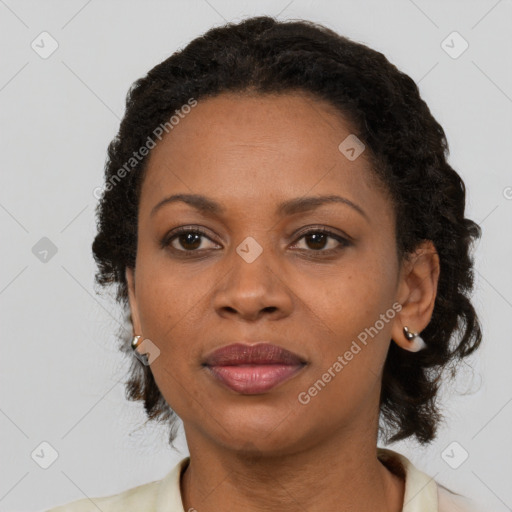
(254,379)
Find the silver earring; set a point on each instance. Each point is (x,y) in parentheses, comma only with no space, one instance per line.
(417,342)
(136,341)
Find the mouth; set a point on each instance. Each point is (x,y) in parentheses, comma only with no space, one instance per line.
(253,369)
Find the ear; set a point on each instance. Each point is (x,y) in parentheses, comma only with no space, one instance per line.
(130,279)
(417,292)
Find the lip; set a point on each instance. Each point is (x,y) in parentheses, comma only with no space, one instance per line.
(253,369)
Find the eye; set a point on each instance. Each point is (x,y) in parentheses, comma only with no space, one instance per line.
(317,240)
(185,239)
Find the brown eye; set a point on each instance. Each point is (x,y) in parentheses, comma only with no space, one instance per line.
(187,240)
(321,240)
(316,241)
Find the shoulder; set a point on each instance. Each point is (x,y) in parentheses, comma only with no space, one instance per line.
(422,492)
(140,498)
(147,497)
(450,501)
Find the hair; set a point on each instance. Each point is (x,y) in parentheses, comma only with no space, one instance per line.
(405,144)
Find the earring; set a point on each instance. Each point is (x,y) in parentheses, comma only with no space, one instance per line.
(417,342)
(136,341)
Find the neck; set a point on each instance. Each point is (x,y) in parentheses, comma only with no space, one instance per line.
(335,475)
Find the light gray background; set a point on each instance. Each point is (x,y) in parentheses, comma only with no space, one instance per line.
(61,373)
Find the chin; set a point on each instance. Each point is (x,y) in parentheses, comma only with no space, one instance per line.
(257,428)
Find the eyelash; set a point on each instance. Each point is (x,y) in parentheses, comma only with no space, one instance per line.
(170,237)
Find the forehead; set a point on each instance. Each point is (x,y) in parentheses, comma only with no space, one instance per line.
(240,147)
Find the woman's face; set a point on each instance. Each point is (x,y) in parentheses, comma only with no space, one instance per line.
(253,276)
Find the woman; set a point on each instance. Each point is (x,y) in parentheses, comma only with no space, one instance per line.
(280,218)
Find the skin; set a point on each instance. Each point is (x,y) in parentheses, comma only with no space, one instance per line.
(268,451)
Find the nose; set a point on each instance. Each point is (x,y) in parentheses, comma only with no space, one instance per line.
(253,290)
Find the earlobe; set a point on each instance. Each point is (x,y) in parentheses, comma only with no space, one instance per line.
(418,290)
(416,342)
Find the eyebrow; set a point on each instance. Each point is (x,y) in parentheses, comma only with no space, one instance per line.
(292,206)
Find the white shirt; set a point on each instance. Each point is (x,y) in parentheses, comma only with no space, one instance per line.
(422,493)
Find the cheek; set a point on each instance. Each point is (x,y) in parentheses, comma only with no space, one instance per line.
(353,297)
(170,318)
(170,305)
(355,305)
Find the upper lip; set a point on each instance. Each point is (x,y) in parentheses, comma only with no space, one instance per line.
(259,353)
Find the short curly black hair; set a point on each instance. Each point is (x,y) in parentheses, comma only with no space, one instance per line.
(407,148)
